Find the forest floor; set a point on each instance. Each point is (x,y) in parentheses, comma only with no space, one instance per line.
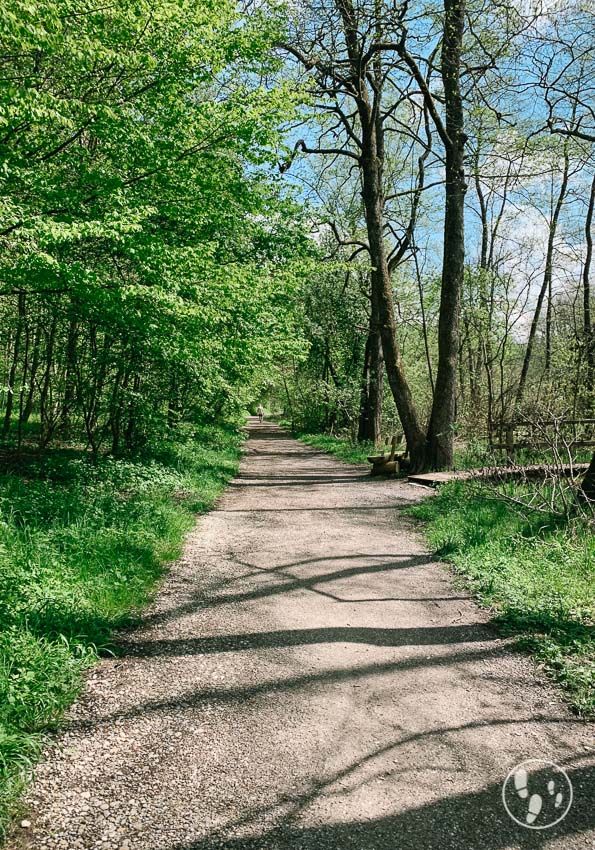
(309,678)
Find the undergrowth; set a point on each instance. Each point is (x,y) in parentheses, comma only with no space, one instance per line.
(340,447)
(536,571)
(82,546)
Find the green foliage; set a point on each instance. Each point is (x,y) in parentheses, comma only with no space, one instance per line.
(322,389)
(82,546)
(345,450)
(149,252)
(537,573)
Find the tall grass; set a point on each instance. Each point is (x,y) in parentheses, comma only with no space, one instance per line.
(82,546)
(536,571)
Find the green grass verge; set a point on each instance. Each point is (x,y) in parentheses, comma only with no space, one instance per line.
(82,547)
(340,447)
(535,571)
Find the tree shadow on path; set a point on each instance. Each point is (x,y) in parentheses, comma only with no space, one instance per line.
(398,637)
(475,820)
(212,597)
(296,684)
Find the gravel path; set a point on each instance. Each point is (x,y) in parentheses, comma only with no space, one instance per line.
(309,678)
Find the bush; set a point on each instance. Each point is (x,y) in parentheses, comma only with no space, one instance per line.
(340,447)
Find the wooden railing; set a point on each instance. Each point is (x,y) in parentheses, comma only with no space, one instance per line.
(542,434)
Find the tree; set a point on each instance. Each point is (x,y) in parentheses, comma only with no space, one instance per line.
(358,58)
(145,269)
(567,81)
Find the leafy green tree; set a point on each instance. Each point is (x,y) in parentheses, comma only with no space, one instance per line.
(148,252)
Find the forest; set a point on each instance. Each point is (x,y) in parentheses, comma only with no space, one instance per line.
(375,218)
(173,247)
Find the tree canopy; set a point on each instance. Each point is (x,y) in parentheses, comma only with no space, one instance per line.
(205,204)
(149,252)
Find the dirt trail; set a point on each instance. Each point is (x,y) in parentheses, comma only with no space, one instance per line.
(309,678)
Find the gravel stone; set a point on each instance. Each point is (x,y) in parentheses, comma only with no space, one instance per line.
(307,677)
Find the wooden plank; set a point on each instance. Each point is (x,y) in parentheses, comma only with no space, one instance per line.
(526,444)
(434,479)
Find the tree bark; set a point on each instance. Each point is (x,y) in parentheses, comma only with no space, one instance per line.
(589,336)
(69,378)
(383,307)
(32,376)
(588,485)
(371,398)
(439,448)
(547,281)
(47,422)
(15,362)
(371,163)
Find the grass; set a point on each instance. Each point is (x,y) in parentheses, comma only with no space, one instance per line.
(537,572)
(340,447)
(82,547)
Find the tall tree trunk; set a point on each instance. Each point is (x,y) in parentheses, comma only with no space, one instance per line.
(23,379)
(424,323)
(589,335)
(383,305)
(46,421)
(69,377)
(15,362)
(362,429)
(32,376)
(439,450)
(483,207)
(130,433)
(588,485)
(371,397)
(371,164)
(382,298)
(547,280)
(548,327)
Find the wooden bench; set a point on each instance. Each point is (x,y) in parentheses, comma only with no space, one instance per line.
(383,464)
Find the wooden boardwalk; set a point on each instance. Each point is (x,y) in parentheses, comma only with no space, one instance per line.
(434,479)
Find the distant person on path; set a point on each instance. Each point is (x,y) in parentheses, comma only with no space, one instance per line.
(260,412)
